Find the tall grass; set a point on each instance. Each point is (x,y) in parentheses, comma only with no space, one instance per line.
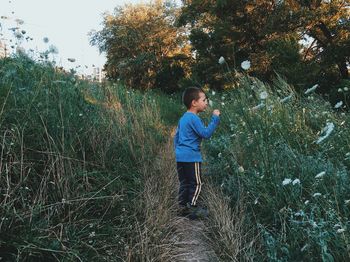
(72,161)
(274,154)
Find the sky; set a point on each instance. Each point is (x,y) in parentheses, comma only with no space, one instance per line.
(66,24)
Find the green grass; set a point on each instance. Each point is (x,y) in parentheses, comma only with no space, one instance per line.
(254,151)
(72,161)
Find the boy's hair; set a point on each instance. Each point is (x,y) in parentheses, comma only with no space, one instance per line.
(190,94)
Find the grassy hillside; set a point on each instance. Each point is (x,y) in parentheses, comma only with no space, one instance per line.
(72,163)
(283,160)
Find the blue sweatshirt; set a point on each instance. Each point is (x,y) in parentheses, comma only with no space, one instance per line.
(189,134)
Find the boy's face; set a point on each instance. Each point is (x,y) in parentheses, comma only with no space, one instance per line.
(201,103)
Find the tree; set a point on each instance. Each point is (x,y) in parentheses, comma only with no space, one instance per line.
(270,34)
(140,41)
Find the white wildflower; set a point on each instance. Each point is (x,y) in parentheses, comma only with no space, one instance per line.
(311,89)
(263,95)
(321,174)
(220,154)
(346,89)
(314,224)
(92,234)
(327,130)
(299,213)
(296,181)
(341,230)
(340,90)
(261,105)
(80,114)
(317,194)
(286,181)
(304,247)
(213,93)
(245,64)
(222,103)
(285,99)
(210,103)
(339,104)
(241,169)
(221,60)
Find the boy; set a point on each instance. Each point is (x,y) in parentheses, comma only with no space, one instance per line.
(189,134)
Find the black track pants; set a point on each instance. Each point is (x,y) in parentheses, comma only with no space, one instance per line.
(190,182)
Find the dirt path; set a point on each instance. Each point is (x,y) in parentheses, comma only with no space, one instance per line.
(191,243)
(189,239)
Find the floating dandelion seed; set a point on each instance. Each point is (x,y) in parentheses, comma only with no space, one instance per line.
(221,60)
(286,181)
(311,89)
(339,104)
(321,174)
(263,95)
(72,60)
(46,40)
(19,21)
(213,93)
(245,64)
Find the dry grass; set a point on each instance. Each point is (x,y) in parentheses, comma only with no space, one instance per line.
(227,228)
(157,209)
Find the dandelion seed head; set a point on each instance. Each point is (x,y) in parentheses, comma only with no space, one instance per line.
(286,181)
(245,64)
(263,95)
(339,104)
(221,60)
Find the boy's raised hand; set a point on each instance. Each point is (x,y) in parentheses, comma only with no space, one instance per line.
(216,112)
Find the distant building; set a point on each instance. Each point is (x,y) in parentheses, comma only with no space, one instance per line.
(98,74)
(3,50)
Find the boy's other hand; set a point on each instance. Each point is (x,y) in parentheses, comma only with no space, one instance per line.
(216,112)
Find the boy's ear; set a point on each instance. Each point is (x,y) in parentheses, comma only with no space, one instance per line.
(193,102)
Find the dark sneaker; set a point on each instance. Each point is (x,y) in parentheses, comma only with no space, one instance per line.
(183,211)
(198,212)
